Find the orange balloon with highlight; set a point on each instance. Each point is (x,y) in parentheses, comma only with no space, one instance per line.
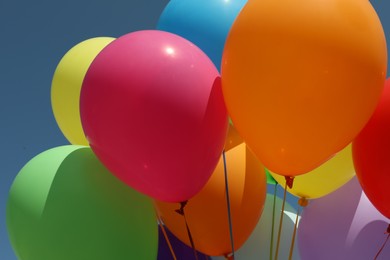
(302,78)
(207,213)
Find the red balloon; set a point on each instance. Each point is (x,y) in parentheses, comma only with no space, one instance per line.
(152,109)
(371,155)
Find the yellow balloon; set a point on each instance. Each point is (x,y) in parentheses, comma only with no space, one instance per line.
(66,86)
(325,179)
(301,78)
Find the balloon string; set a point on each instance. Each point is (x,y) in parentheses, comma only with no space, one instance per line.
(302,203)
(271,249)
(384,244)
(181,212)
(289,182)
(293,237)
(160,223)
(228,205)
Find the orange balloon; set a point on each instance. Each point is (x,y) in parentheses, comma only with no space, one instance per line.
(233,138)
(324,179)
(301,78)
(207,214)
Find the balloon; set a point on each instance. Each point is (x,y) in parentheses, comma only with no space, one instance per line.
(153,112)
(258,244)
(301,78)
(233,138)
(65,205)
(342,225)
(371,155)
(207,213)
(270,178)
(324,179)
(66,86)
(181,250)
(206,23)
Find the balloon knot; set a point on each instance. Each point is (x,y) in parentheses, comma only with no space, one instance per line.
(229,256)
(182,206)
(303,202)
(289,181)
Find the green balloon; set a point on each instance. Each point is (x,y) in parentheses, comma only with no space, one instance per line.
(270,179)
(65,205)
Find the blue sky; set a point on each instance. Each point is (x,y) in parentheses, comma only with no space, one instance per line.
(34,37)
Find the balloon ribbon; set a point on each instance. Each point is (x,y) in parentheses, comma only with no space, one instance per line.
(302,203)
(271,249)
(161,224)
(383,246)
(289,183)
(228,205)
(181,212)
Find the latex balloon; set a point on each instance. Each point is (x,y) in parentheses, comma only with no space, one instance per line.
(207,213)
(270,178)
(153,112)
(66,87)
(206,23)
(302,78)
(181,250)
(233,138)
(371,155)
(324,179)
(64,205)
(342,225)
(259,243)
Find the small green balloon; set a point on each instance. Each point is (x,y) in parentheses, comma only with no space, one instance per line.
(270,179)
(64,205)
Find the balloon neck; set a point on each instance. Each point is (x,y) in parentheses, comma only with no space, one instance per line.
(182,206)
(229,256)
(289,181)
(303,202)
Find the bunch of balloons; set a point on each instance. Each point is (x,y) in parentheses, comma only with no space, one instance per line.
(147,115)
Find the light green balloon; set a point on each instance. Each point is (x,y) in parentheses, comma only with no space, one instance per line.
(65,205)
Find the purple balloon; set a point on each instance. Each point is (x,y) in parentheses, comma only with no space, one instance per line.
(181,250)
(342,225)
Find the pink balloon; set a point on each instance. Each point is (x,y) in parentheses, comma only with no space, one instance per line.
(342,225)
(152,110)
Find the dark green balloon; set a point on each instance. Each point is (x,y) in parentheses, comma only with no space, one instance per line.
(65,205)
